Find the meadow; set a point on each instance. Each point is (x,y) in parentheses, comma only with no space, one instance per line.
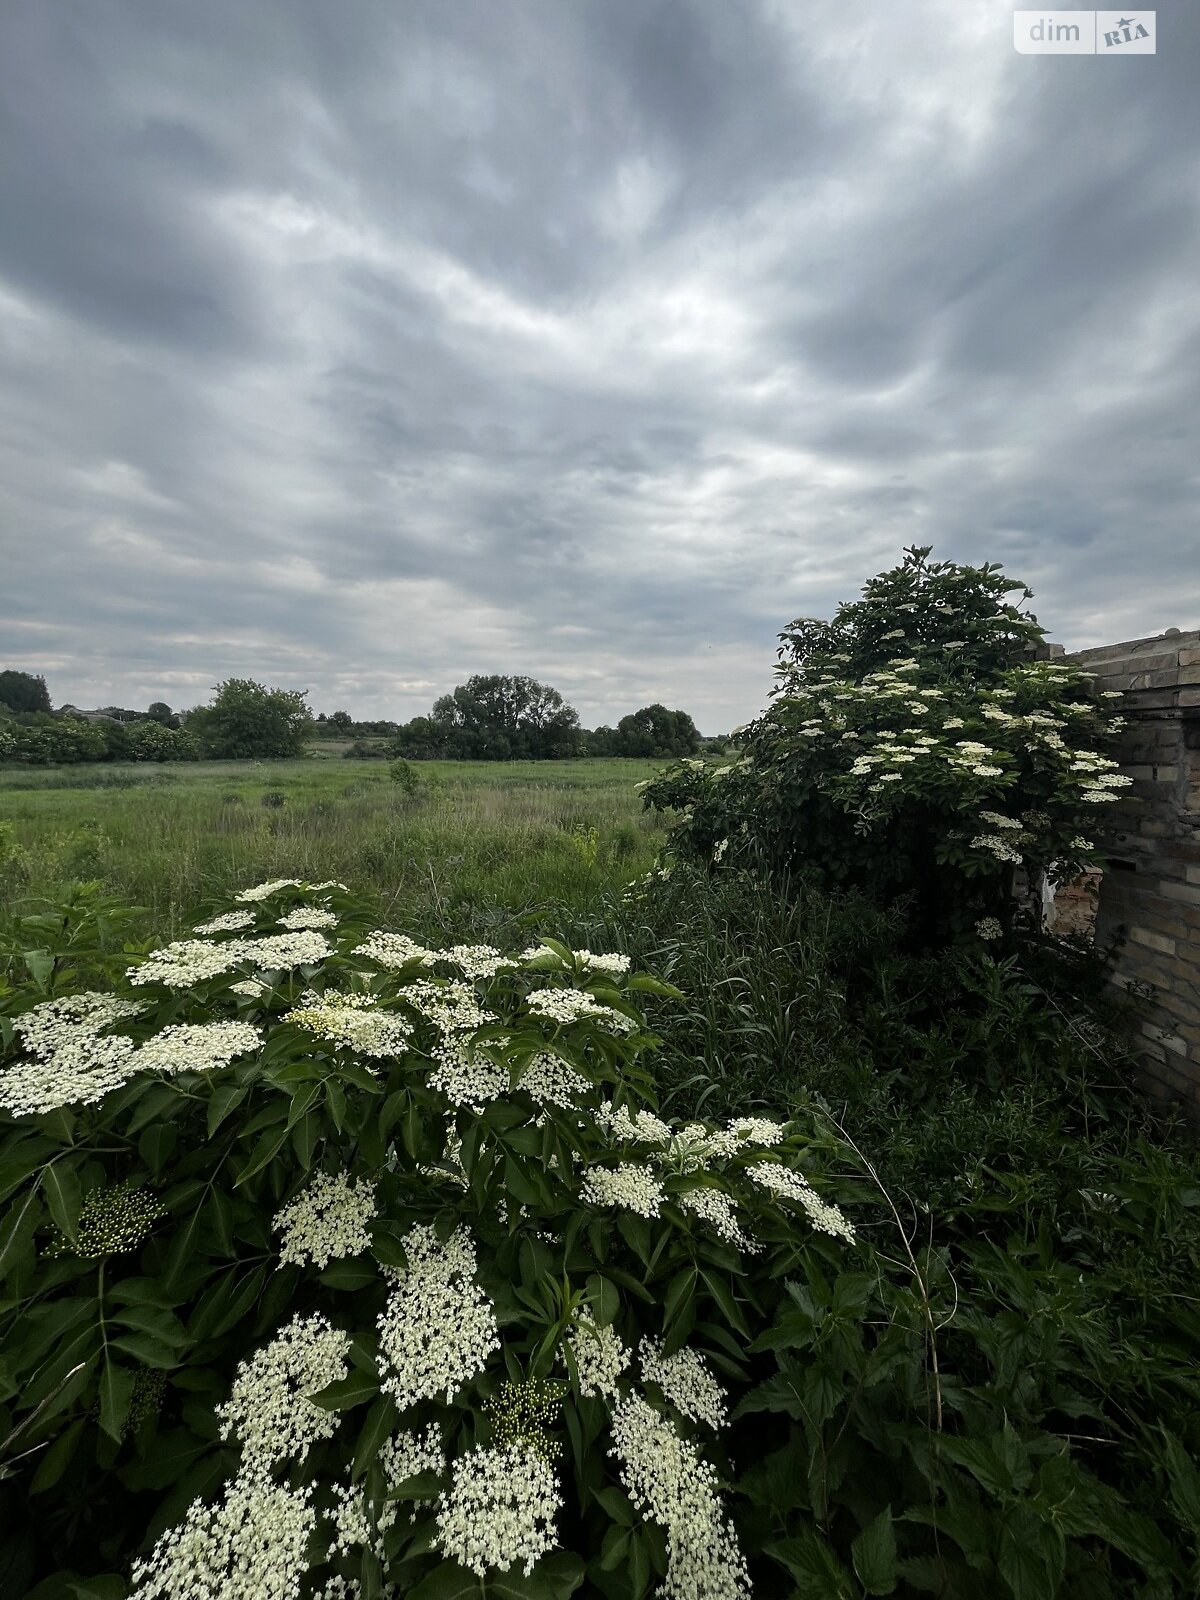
(476,842)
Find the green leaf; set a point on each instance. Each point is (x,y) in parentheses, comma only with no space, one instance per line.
(604,1300)
(873,1554)
(817,1572)
(266,1148)
(448,1581)
(381,1419)
(346,1392)
(1185,1482)
(1031,1556)
(226,1097)
(116,1392)
(61,1188)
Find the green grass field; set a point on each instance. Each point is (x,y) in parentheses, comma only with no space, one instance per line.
(479,841)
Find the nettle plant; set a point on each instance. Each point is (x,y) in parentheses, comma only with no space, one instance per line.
(915,747)
(334,1265)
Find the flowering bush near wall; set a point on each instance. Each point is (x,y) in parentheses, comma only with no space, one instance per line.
(915,747)
(336,1265)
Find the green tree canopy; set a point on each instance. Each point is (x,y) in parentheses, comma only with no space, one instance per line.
(655,731)
(22,691)
(498,718)
(248,720)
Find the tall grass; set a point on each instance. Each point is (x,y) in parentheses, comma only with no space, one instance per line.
(478,844)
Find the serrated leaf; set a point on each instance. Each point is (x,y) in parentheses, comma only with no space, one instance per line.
(353,1390)
(61,1189)
(873,1554)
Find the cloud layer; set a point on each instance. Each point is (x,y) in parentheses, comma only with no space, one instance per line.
(361,347)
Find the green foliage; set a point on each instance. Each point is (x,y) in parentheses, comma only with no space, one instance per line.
(493,718)
(652,731)
(948,1415)
(914,749)
(248,720)
(404,775)
(153,739)
(23,691)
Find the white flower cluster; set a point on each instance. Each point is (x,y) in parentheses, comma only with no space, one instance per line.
(476,960)
(643,1127)
(250,1546)
(353,1021)
(629,1187)
(76,1063)
(988,928)
(264,891)
(268,1411)
(565,1006)
(612,961)
(668,1482)
(283,951)
(227,922)
(716,1208)
(600,1357)
(551,1081)
(438,1328)
(394,950)
(499,1510)
(327,1221)
(685,1381)
(187,962)
(995,846)
(467,1077)
(452,1007)
(998,821)
(760,1131)
(308,917)
(408,1454)
(190,961)
(789,1185)
(197,1047)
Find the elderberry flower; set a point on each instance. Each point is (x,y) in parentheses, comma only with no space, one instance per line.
(499,1510)
(467,1077)
(477,960)
(77,1064)
(789,1185)
(353,1021)
(600,1357)
(327,1221)
(565,1006)
(264,891)
(308,917)
(394,950)
(187,962)
(685,1381)
(438,1327)
(995,846)
(997,821)
(197,1047)
(252,1545)
(716,1208)
(668,1482)
(988,928)
(283,951)
(227,922)
(760,1131)
(112,1221)
(628,1187)
(520,1414)
(641,1128)
(551,1081)
(451,1006)
(268,1411)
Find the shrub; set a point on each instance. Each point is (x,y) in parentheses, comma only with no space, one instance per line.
(916,750)
(404,774)
(356,1257)
(273,800)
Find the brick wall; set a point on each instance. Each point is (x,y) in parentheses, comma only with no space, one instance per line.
(1150,895)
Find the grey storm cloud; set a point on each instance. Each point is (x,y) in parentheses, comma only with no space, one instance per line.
(361,347)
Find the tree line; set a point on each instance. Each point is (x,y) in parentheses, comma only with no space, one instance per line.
(491,717)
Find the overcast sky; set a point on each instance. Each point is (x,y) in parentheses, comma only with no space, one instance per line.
(358,347)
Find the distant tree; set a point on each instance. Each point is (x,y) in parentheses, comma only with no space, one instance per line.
(246,720)
(422,739)
(22,691)
(151,740)
(498,718)
(655,731)
(342,721)
(161,712)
